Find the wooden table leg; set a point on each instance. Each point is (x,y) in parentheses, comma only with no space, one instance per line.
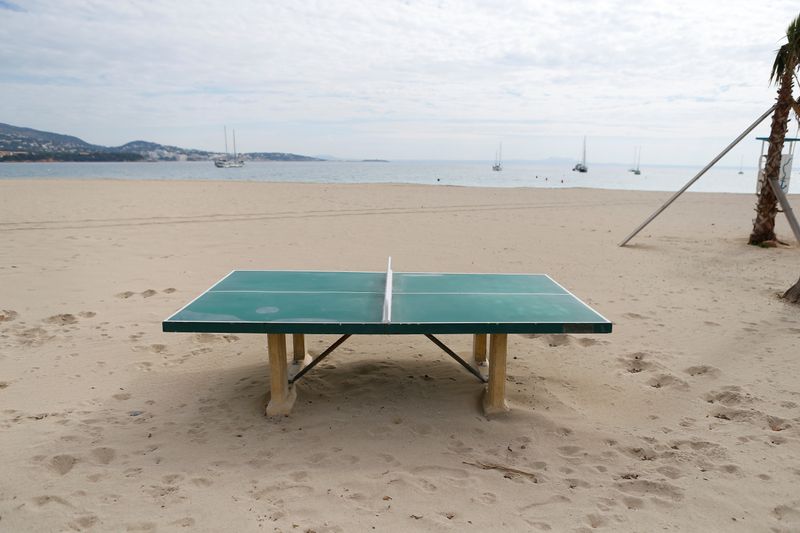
(479,348)
(282,396)
(298,347)
(494,397)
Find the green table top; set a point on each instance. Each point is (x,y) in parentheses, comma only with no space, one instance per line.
(273,301)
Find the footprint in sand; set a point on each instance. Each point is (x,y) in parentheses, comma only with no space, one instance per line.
(285,491)
(586,342)
(87,314)
(670,472)
(170,290)
(61,464)
(636,362)
(148,293)
(47,498)
(596,520)
(731,395)
(703,370)
(62,319)
(789,513)
(104,455)
(734,415)
(658,489)
(667,380)
(555,341)
(34,336)
(777,424)
(205,338)
(636,316)
(125,295)
(83,522)
(575,483)
(632,502)
(186,521)
(642,454)
(570,451)
(7,315)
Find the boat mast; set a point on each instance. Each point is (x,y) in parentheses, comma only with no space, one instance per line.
(234,144)
(225,130)
(584,150)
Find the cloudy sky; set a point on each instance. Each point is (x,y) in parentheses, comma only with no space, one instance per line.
(413,79)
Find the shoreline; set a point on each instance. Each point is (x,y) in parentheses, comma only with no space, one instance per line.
(370,184)
(471,174)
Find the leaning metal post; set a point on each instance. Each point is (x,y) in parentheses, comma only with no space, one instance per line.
(787,208)
(699,174)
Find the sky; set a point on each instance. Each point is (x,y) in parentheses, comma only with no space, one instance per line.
(427,79)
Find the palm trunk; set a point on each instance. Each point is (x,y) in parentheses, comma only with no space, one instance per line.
(793,294)
(767,206)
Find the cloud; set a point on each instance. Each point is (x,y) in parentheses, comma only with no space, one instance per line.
(455,75)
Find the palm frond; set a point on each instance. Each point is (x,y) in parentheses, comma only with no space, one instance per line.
(780,63)
(788,55)
(793,33)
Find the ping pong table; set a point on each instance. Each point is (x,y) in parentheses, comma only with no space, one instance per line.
(280,302)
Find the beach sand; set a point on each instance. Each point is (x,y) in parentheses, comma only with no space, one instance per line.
(685,418)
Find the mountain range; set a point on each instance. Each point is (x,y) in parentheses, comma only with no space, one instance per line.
(27,144)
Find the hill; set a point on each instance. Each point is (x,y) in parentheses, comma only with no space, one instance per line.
(27,144)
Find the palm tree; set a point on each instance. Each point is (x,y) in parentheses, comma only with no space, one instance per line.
(786,62)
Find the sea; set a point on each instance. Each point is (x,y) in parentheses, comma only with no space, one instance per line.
(438,173)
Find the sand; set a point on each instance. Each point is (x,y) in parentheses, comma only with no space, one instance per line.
(685,418)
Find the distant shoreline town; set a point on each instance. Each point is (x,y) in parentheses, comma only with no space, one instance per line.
(25,145)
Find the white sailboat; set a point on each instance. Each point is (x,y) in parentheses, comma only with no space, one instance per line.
(498,159)
(226,161)
(637,157)
(581,167)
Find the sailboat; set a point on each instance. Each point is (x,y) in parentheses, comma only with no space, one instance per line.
(226,161)
(741,164)
(637,156)
(581,167)
(498,159)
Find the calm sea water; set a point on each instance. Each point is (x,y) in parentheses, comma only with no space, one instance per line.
(469,174)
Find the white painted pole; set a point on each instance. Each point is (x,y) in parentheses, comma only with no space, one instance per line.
(698,175)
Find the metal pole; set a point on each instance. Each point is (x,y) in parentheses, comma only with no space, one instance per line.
(699,174)
(787,209)
(455,356)
(319,358)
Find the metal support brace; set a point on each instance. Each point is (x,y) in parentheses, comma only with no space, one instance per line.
(786,206)
(727,149)
(319,358)
(455,356)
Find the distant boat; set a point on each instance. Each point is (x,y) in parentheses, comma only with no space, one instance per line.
(227,161)
(498,159)
(741,164)
(637,156)
(581,167)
